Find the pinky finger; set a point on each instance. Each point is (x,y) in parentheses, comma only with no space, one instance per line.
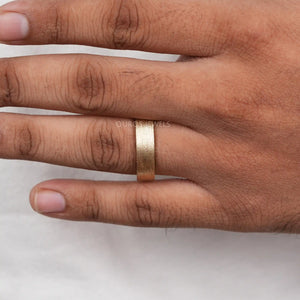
(167,203)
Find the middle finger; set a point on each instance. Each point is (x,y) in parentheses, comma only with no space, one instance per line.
(90,84)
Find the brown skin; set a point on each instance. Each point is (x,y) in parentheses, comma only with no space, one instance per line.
(231,114)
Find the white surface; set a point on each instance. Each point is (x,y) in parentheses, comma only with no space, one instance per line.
(42,258)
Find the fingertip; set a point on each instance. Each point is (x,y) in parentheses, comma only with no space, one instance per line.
(46,197)
(13,26)
(31,197)
(47,201)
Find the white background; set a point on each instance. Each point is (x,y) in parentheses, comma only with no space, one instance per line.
(43,258)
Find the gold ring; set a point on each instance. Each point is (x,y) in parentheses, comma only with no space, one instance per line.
(145,150)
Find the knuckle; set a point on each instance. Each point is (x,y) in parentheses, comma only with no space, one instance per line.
(125,24)
(9,84)
(290,226)
(239,109)
(89,87)
(229,121)
(27,141)
(244,214)
(91,209)
(285,222)
(142,210)
(105,147)
(57,27)
(255,34)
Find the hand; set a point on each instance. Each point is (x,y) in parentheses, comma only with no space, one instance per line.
(230,115)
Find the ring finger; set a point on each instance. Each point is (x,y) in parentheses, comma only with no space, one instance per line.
(104,144)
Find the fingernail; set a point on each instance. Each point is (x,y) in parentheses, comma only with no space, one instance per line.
(49,202)
(13,27)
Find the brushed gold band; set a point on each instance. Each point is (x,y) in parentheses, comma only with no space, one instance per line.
(145,150)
